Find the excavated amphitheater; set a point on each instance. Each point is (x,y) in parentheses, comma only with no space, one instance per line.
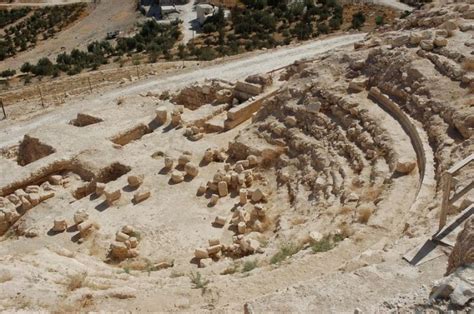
(217,196)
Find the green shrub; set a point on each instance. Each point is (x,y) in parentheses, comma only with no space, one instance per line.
(7,73)
(198,281)
(285,251)
(379,20)
(358,19)
(249,266)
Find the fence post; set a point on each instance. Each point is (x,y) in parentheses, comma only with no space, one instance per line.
(90,85)
(446,181)
(41,96)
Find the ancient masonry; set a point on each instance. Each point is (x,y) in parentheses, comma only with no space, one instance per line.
(334,167)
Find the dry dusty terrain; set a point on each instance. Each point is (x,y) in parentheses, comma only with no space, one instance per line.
(105,16)
(292,180)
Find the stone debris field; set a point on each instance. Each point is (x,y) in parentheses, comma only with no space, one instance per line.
(296,190)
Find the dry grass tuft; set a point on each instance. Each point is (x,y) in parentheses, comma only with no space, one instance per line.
(468,64)
(364,214)
(76,281)
(345,210)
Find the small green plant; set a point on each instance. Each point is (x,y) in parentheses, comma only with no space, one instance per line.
(379,20)
(286,250)
(126,270)
(198,281)
(338,238)
(249,266)
(327,243)
(323,245)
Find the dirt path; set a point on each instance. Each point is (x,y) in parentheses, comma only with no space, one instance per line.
(188,16)
(394,4)
(232,70)
(43,3)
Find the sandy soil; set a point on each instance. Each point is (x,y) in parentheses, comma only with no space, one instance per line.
(241,68)
(113,14)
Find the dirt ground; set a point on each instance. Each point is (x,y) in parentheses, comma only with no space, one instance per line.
(288,180)
(113,15)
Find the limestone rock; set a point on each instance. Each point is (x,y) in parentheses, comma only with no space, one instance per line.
(440,42)
(169,162)
(32,189)
(222,188)
(112,195)
(60,224)
(161,115)
(426,45)
(220,221)
(141,195)
(119,250)
(201,253)
(177,176)
(56,179)
(191,170)
(99,188)
(80,216)
(405,166)
(184,159)
(257,196)
(214,199)
(135,181)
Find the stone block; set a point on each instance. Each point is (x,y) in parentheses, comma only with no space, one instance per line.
(222,188)
(220,220)
(177,176)
(60,224)
(141,195)
(99,188)
(161,115)
(135,180)
(191,169)
(112,195)
(201,253)
(80,216)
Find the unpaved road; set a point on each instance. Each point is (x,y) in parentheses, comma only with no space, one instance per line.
(394,4)
(12,132)
(40,3)
(189,18)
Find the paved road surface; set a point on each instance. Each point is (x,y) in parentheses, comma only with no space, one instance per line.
(232,70)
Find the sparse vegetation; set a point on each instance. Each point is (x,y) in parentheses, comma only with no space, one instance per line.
(379,20)
(286,250)
(249,266)
(322,246)
(364,214)
(42,24)
(358,20)
(198,281)
(76,281)
(7,73)
(230,270)
(10,16)
(327,243)
(153,38)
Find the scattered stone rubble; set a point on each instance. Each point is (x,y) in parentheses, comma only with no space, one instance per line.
(125,244)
